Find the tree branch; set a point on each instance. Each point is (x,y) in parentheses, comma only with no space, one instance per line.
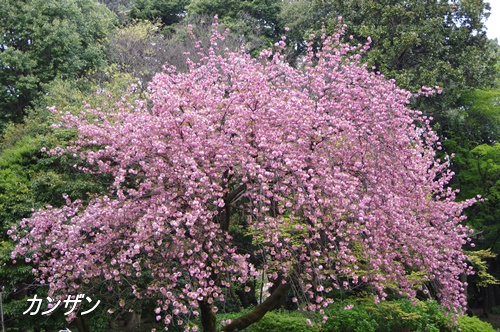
(225,211)
(272,302)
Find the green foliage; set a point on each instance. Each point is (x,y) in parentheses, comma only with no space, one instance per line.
(366,316)
(301,17)
(44,39)
(276,321)
(472,136)
(474,324)
(138,49)
(396,316)
(478,261)
(282,322)
(477,120)
(170,45)
(120,7)
(168,11)
(478,174)
(31,179)
(357,320)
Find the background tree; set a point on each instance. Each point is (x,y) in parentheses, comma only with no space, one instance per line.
(324,163)
(121,8)
(473,137)
(140,50)
(167,11)
(257,22)
(41,40)
(431,43)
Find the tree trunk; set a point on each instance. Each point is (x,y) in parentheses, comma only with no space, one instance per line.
(272,302)
(208,319)
(496,292)
(133,321)
(486,301)
(491,297)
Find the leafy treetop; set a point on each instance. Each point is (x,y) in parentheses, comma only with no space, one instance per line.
(41,40)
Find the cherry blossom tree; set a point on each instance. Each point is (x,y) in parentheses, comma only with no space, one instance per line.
(324,166)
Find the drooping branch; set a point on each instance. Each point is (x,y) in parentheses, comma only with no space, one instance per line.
(272,302)
(235,193)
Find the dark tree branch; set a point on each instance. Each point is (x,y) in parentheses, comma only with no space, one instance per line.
(225,212)
(272,302)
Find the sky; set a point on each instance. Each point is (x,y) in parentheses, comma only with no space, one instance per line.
(493,22)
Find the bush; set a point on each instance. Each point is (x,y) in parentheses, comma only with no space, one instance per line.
(403,315)
(356,319)
(474,324)
(366,316)
(276,321)
(396,316)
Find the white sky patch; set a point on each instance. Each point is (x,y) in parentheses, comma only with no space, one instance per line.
(493,22)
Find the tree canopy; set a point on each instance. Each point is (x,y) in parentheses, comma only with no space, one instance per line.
(44,39)
(326,169)
(167,11)
(432,43)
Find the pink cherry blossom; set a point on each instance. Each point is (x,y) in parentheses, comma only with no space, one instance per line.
(325,166)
